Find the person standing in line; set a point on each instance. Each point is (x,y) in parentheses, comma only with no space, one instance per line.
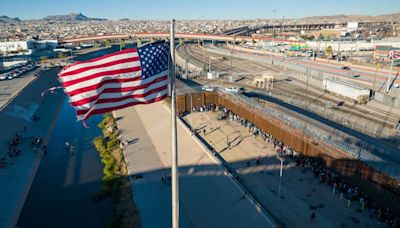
(312,217)
(258,160)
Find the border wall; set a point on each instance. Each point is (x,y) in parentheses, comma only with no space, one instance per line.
(380,187)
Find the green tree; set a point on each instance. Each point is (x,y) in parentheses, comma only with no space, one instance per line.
(328,52)
(108,43)
(43,59)
(61,55)
(121,44)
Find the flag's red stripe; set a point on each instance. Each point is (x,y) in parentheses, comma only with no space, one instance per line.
(117,90)
(101,74)
(122,98)
(99,85)
(133,50)
(104,110)
(112,63)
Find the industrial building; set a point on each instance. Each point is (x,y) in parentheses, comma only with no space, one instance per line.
(26,47)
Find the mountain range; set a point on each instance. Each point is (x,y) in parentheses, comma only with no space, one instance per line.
(333,18)
(9,19)
(71,17)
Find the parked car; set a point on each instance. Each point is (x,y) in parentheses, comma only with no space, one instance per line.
(9,76)
(231,90)
(3,77)
(208,88)
(16,74)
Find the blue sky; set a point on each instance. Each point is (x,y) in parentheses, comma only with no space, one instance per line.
(189,9)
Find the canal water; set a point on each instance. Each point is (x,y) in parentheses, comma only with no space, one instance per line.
(60,195)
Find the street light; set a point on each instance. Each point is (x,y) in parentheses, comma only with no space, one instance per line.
(280,183)
(191,113)
(273,25)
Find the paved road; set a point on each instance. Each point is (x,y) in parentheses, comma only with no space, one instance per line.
(209,197)
(10,88)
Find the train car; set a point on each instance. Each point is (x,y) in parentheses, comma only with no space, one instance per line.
(347,90)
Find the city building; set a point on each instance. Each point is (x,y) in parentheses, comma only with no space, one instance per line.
(382,51)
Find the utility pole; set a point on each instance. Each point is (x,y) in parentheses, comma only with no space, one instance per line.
(191,113)
(390,74)
(280,184)
(308,75)
(273,26)
(231,61)
(203,64)
(378,65)
(339,54)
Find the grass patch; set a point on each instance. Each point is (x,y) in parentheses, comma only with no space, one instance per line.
(116,182)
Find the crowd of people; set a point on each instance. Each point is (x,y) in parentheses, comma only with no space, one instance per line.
(13,151)
(350,193)
(324,174)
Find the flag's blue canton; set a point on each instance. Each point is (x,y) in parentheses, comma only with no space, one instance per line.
(153,58)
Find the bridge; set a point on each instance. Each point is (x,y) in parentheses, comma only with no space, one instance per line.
(153,36)
(241,31)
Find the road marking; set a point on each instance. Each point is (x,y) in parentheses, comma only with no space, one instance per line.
(24,113)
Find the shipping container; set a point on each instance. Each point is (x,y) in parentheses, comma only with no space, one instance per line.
(347,90)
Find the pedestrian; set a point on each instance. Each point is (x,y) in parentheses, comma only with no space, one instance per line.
(258,160)
(312,216)
(44,149)
(248,163)
(204,131)
(163,179)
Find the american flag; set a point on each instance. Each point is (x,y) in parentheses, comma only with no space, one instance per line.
(114,81)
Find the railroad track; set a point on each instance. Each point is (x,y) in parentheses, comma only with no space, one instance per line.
(386,120)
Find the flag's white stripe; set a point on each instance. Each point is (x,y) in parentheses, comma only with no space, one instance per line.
(127,101)
(123,94)
(98,70)
(94,92)
(98,80)
(100,61)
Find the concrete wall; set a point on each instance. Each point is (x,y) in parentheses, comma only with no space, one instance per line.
(387,100)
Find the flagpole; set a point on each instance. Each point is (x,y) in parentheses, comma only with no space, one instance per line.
(174,152)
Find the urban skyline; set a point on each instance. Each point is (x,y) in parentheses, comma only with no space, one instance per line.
(210,10)
(235,114)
